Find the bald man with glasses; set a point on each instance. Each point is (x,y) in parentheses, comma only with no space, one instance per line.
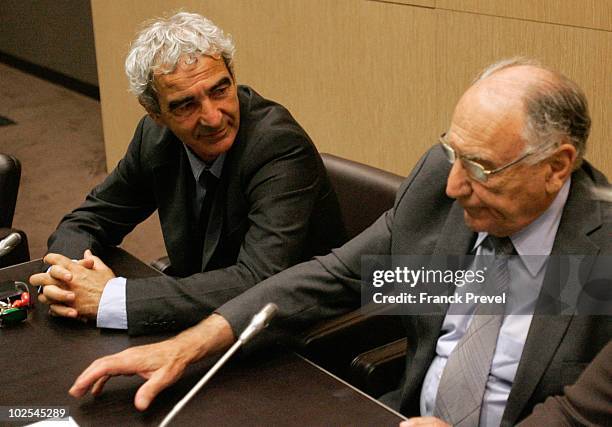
(507,179)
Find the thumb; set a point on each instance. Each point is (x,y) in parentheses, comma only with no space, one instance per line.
(150,389)
(87,260)
(97,262)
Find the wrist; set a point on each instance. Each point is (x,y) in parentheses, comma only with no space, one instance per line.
(213,335)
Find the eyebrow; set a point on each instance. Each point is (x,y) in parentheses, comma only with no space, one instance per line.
(225,81)
(173,105)
(473,157)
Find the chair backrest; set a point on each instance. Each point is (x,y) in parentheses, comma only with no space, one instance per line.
(10,174)
(364,192)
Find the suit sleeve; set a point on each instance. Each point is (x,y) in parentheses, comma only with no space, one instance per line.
(324,287)
(587,402)
(282,183)
(110,211)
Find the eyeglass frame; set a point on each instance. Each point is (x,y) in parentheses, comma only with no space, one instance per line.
(450,151)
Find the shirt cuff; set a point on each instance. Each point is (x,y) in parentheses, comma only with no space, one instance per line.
(112,311)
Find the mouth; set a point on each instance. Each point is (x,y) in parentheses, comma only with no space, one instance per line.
(482,213)
(475,211)
(214,136)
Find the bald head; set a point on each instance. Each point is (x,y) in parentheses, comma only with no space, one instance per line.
(517,123)
(555,108)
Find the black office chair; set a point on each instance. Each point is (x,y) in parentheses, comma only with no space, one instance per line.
(364,193)
(379,370)
(15,249)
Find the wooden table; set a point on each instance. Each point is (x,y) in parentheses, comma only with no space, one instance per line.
(41,357)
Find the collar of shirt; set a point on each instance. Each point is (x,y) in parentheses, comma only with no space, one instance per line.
(539,236)
(198,166)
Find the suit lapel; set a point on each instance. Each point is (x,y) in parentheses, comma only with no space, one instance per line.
(581,215)
(175,217)
(454,242)
(455,237)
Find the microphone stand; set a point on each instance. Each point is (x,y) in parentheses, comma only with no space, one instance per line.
(260,321)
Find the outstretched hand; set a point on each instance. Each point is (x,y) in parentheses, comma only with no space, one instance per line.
(161,364)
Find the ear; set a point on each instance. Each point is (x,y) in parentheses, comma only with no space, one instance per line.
(560,167)
(157,118)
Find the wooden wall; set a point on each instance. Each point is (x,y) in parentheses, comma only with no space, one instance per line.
(373,81)
(53,34)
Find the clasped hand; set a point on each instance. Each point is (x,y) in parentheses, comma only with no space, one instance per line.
(73,289)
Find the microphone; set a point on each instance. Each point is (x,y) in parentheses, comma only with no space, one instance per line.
(9,243)
(259,322)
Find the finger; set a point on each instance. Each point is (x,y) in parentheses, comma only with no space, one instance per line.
(161,379)
(58,295)
(423,422)
(60,273)
(87,263)
(43,299)
(98,263)
(110,366)
(42,279)
(99,385)
(59,310)
(415,422)
(53,259)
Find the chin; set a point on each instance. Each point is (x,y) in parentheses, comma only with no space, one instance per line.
(485,225)
(214,150)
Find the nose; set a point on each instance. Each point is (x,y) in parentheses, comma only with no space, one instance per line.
(458,184)
(210,115)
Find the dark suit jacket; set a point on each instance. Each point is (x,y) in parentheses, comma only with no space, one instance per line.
(274,207)
(587,402)
(425,221)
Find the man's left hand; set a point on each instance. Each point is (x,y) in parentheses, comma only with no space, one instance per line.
(73,289)
(424,422)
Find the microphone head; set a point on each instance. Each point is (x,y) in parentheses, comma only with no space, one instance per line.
(9,243)
(269,311)
(259,322)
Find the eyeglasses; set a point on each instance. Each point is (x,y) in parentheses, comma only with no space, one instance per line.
(475,169)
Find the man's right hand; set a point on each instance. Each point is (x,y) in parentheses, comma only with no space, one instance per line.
(161,364)
(56,292)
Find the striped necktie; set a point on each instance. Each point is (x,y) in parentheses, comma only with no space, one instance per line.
(463,382)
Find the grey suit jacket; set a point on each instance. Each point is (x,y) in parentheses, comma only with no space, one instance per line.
(274,207)
(425,221)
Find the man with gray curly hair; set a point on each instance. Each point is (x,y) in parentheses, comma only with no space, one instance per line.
(505,179)
(240,189)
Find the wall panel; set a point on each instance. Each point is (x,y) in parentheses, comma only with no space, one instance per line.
(52,34)
(423,3)
(348,70)
(582,54)
(596,14)
(369,80)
